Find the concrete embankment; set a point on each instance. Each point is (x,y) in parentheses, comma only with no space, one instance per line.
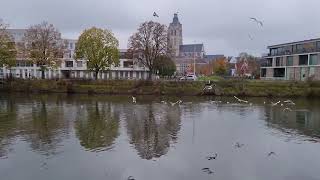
(177,88)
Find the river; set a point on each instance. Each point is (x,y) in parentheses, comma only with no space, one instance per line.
(81,137)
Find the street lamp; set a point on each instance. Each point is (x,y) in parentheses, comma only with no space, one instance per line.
(194,59)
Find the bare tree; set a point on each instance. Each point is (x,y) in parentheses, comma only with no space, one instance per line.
(149,43)
(7,48)
(44,46)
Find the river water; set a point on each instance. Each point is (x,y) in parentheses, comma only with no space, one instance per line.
(83,137)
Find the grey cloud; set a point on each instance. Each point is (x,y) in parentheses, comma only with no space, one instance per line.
(222,25)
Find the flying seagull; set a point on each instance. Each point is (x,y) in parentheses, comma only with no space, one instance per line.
(257,21)
(271,153)
(212,157)
(155,14)
(207,170)
(250,37)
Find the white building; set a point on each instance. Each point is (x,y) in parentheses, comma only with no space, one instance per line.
(71,68)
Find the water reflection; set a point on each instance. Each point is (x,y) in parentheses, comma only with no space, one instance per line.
(152,127)
(44,128)
(97,126)
(8,124)
(302,119)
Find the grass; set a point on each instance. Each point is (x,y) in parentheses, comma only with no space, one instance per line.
(224,87)
(210,78)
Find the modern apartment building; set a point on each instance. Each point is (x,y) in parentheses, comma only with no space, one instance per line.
(128,68)
(298,61)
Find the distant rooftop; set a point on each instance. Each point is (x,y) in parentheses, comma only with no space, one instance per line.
(191,48)
(294,43)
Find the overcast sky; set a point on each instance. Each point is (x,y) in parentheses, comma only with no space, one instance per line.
(222,25)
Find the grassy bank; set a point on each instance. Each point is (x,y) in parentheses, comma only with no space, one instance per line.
(179,88)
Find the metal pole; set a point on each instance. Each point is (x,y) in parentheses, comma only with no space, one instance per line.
(194,60)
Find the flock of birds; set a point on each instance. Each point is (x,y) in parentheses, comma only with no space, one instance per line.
(282,104)
(214,156)
(253,19)
(134,100)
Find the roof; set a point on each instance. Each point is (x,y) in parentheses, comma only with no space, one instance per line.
(213,57)
(234,60)
(189,61)
(191,48)
(293,43)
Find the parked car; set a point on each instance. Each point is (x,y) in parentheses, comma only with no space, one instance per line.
(192,77)
(183,78)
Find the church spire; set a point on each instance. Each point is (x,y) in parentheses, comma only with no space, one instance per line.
(175,19)
(175,35)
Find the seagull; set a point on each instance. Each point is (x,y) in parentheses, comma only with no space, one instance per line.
(274,104)
(289,102)
(134,99)
(178,102)
(250,37)
(271,153)
(163,102)
(212,157)
(130,178)
(207,170)
(287,109)
(155,14)
(238,145)
(257,21)
(240,100)
(207,88)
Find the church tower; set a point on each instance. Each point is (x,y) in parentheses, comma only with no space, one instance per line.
(175,36)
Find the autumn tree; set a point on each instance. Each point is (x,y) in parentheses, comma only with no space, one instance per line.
(165,66)
(43,46)
(220,66)
(7,47)
(99,47)
(149,43)
(248,64)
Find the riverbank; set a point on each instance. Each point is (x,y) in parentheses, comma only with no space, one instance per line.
(177,88)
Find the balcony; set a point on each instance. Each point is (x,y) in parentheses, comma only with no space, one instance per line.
(266,62)
(297,51)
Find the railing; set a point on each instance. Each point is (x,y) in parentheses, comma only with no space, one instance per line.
(298,51)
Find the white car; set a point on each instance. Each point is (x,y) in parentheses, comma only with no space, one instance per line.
(191,77)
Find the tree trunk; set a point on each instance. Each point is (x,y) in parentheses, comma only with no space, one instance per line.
(96,75)
(42,74)
(150,74)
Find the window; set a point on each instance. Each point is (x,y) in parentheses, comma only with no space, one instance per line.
(279,72)
(313,59)
(263,72)
(274,52)
(294,48)
(69,63)
(71,45)
(79,64)
(280,51)
(279,61)
(289,61)
(318,45)
(303,60)
(299,48)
